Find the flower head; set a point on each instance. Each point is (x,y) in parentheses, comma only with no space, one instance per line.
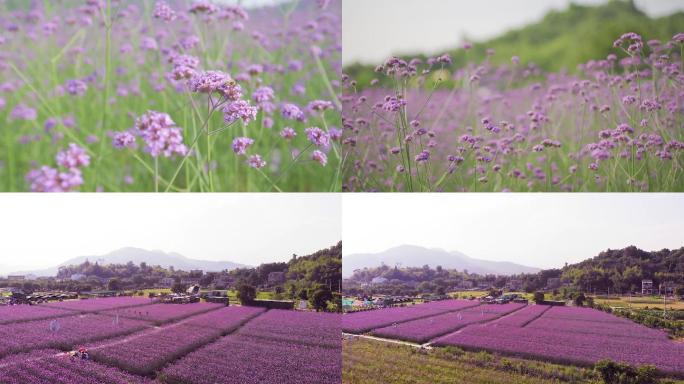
(288,133)
(239,109)
(73,157)
(161,135)
(76,87)
(47,179)
(318,137)
(319,157)
(240,145)
(292,112)
(255,161)
(122,140)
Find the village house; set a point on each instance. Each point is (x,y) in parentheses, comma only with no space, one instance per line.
(647,287)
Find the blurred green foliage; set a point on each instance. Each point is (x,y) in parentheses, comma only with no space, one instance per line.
(562,39)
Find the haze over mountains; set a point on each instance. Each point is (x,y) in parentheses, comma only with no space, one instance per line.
(137,256)
(415,256)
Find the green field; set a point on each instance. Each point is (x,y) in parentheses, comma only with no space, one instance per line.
(365,361)
(651,302)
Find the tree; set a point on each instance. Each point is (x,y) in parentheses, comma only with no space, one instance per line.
(246,293)
(539,297)
(114,285)
(579,299)
(178,288)
(680,290)
(320,297)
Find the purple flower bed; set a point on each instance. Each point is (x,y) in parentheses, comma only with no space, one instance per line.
(164,313)
(150,350)
(317,329)
(65,370)
(63,333)
(523,317)
(360,322)
(26,356)
(566,340)
(16,313)
(247,360)
(599,328)
(225,319)
(425,329)
(587,314)
(94,305)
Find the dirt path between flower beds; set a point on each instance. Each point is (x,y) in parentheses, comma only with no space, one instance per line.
(391,341)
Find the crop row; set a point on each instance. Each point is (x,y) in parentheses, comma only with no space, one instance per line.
(102,304)
(425,329)
(148,351)
(17,313)
(317,329)
(164,313)
(63,333)
(360,322)
(524,316)
(65,370)
(247,360)
(586,314)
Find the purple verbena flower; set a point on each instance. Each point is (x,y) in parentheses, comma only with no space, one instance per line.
(240,145)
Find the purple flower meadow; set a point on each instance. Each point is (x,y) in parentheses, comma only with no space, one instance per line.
(157,101)
(513,127)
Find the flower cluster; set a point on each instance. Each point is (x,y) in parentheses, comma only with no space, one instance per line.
(48,179)
(161,135)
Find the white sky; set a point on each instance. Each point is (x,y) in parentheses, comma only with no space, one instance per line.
(541,230)
(41,231)
(375,29)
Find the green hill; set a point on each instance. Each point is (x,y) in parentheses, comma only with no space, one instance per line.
(563,39)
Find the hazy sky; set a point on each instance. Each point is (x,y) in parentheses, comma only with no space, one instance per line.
(40,231)
(540,230)
(376,29)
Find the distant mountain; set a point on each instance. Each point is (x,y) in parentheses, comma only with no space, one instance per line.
(415,256)
(137,256)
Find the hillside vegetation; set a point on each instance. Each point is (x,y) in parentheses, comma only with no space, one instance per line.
(562,39)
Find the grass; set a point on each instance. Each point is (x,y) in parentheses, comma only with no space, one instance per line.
(366,361)
(640,302)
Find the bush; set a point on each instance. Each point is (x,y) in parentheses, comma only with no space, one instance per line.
(612,372)
(246,293)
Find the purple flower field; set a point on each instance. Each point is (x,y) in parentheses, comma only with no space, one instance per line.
(247,360)
(164,313)
(360,322)
(64,370)
(94,305)
(573,336)
(16,313)
(317,329)
(199,343)
(145,353)
(524,316)
(225,319)
(430,125)
(63,332)
(425,329)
